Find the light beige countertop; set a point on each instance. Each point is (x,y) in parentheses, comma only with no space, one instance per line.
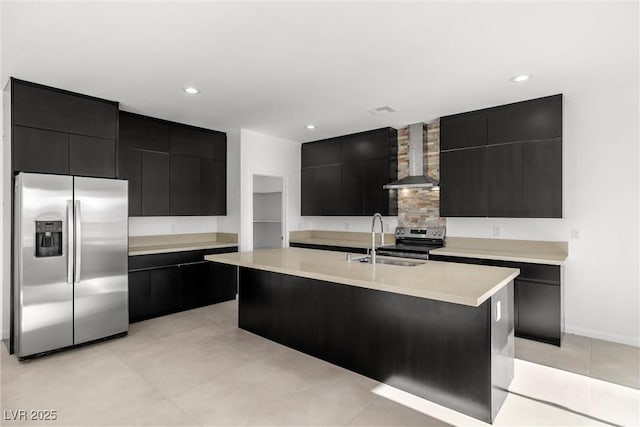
(442,281)
(146,245)
(345,239)
(530,251)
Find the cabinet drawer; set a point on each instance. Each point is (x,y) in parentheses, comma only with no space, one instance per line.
(137,262)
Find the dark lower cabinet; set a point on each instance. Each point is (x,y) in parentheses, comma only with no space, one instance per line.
(139,295)
(155,183)
(170,282)
(195,287)
(537,297)
(463,182)
(538,310)
(165,295)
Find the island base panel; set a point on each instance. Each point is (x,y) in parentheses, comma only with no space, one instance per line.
(440,351)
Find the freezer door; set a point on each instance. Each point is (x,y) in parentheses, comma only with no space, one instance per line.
(101,283)
(43,279)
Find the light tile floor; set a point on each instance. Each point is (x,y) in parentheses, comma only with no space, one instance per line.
(197,368)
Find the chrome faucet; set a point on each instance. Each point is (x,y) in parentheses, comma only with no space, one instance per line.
(373,236)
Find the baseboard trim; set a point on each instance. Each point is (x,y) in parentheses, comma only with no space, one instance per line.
(621,339)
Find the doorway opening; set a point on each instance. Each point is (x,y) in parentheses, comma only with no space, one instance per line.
(268,211)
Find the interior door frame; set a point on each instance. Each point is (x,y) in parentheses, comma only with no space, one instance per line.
(283,208)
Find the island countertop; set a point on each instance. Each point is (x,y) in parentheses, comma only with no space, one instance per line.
(442,281)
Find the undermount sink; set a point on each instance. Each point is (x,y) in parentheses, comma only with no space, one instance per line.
(388,261)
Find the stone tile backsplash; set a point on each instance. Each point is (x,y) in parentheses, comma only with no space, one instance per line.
(418,206)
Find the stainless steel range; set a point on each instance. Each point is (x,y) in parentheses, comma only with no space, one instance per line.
(415,242)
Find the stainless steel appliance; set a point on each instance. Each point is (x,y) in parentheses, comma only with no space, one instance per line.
(415,242)
(70,255)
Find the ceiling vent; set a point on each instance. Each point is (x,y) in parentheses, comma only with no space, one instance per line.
(385,109)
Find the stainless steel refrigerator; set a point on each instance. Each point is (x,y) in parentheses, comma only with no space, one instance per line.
(70,255)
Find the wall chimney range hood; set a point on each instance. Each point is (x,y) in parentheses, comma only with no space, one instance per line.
(416,178)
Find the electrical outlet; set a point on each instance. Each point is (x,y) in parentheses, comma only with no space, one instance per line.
(575,234)
(496,231)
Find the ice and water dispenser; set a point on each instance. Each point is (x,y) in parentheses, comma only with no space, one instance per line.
(48,238)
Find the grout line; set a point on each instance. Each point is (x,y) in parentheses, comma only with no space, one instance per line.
(363,409)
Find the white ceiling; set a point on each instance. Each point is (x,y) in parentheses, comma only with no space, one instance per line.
(274,67)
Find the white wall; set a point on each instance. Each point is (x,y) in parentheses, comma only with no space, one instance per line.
(266,155)
(345,223)
(601,199)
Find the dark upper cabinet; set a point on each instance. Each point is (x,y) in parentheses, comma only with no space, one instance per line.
(61,132)
(463,182)
(143,133)
(90,156)
(362,192)
(523,174)
(196,142)
(504,180)
(155,183)
(41,151)
(345,175)
(131,170)
(190,179)
(321,190)
(185,185)
(463,130)
(44,107)
(525,121)
(37,107)
(365,145)
(542,179)
(213,188)
(322,153)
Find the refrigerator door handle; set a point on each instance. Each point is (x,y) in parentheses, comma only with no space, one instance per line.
(78,240)
(70,241)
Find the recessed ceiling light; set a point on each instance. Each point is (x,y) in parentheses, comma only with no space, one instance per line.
(520,78)
(191,90)
(311,127)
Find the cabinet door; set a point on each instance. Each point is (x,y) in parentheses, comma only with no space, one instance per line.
(213,187)
(165,290)
(40,151)
(542,179)
(321,153)
(362,192)
(191,141)
(463,183)
(366,145)
(139,295)
(196,288)
(155,184)
(504,169)
(185,185)
(525,121)
(90,156)
(92,117)
(38,107)
(144,133)
(131,170)
(223,281)
(538,308)
(463,130)
(321,191)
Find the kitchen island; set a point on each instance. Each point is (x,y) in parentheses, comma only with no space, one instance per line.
(441,331)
